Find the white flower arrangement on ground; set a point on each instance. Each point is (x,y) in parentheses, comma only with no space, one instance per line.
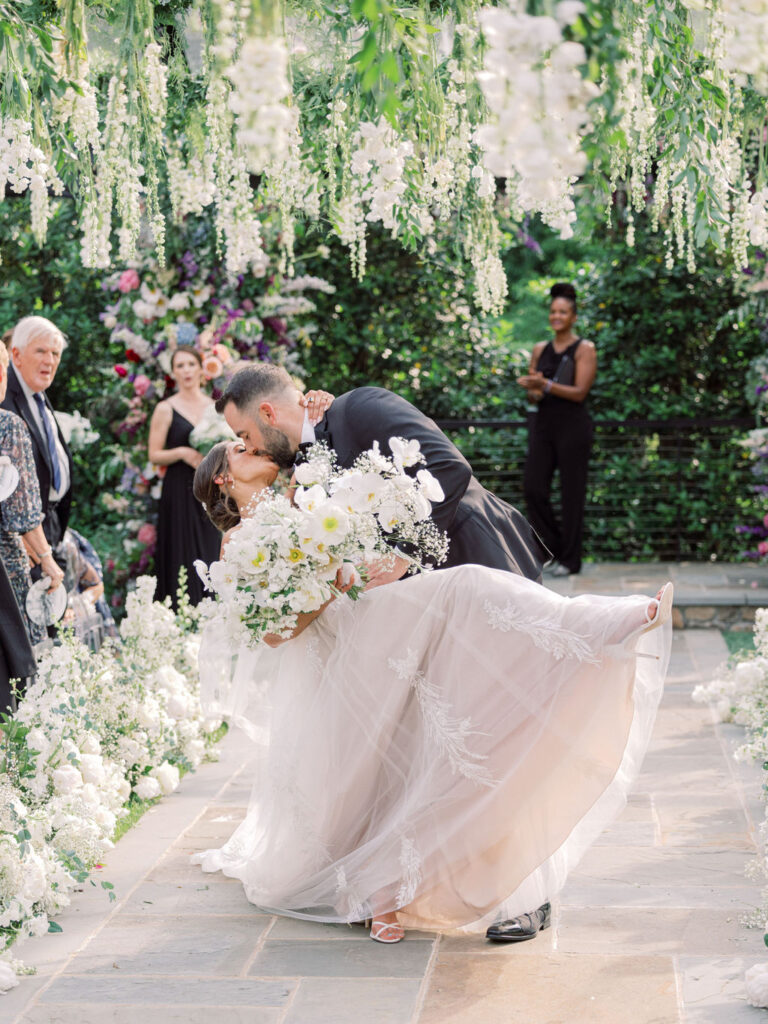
(284,558)
(211,429)
(740,695)
(93,729)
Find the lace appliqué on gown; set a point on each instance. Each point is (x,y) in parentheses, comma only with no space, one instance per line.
(555,640)
(448,734)
(410,865)
(346,893)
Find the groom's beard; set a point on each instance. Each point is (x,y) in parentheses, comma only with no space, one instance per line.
(277,446)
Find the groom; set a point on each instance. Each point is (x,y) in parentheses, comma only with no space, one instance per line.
(263,407)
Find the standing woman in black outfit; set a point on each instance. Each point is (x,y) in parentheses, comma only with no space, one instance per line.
(184,532)
(560,376)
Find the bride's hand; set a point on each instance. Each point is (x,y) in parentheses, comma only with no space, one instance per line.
(317,404)
(386,571)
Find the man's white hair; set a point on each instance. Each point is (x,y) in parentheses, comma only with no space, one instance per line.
(34,327)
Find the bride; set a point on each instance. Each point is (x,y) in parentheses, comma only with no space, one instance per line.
(437,754)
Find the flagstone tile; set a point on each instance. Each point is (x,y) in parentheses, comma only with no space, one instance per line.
(556,988)
(628,833)
(292,928)
(106,1013)
(178,945)
(217,822)
(372,1000)
(198,897)
(342,958)
(619,930)
(139,992)
(675,865)
(738,897)
(177,868)
(713,992)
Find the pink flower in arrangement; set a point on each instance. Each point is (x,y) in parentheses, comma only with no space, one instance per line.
(121,370)
(223,353)
(765,520)
(147,534)
(129,280)
(141,385)
(762,548)
(212,367)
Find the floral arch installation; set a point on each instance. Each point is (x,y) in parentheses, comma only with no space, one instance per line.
(409,116)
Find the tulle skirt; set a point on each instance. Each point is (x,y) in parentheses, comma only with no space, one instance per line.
(446,747)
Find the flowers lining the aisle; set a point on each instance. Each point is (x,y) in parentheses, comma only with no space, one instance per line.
(739,694)
(284,558)
(94,731)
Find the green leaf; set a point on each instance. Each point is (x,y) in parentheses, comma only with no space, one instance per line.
(53,927)
(390,68)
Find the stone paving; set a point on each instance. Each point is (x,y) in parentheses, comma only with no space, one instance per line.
(647,930)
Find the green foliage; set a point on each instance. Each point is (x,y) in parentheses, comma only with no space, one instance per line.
(406,326)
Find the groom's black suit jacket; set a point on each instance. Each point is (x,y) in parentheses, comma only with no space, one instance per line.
(482,529)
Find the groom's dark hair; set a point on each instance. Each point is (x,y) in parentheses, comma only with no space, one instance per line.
(253,383)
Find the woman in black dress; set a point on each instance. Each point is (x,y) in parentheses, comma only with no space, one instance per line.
(184,532)
(560,376)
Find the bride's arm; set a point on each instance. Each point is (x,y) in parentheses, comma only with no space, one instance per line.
(305,618)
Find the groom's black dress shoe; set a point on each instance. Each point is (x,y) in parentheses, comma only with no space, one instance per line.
(519,929)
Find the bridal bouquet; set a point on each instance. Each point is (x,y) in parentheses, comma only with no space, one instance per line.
(284,558)
(211,429)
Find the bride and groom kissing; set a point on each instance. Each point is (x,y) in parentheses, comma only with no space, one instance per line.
(413,744)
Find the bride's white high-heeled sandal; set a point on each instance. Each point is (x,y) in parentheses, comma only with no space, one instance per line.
(663,608)
(378,928)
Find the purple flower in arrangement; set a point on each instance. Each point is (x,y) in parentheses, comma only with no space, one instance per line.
(216,393)
(129,475)
(241,346)
(189,264)
(262,351)
(161,346)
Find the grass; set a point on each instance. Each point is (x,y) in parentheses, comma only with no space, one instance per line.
(739,641)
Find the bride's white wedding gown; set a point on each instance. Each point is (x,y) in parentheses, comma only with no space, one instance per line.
(447,747)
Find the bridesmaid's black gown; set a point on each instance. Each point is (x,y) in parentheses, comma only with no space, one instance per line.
(184,532)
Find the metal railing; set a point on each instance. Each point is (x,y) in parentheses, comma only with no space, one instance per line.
(659,490)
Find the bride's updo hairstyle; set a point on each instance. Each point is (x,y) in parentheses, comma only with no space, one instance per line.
(221,509)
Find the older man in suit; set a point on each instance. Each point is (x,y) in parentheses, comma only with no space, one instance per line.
(36,346)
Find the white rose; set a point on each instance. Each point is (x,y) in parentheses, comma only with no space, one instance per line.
(195,751)
(35,883)
(167,775)
(91,744)
(177,705)
(37,740)
(106,820)
(67,779)
(92,768)
(147,788)
(123,789)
